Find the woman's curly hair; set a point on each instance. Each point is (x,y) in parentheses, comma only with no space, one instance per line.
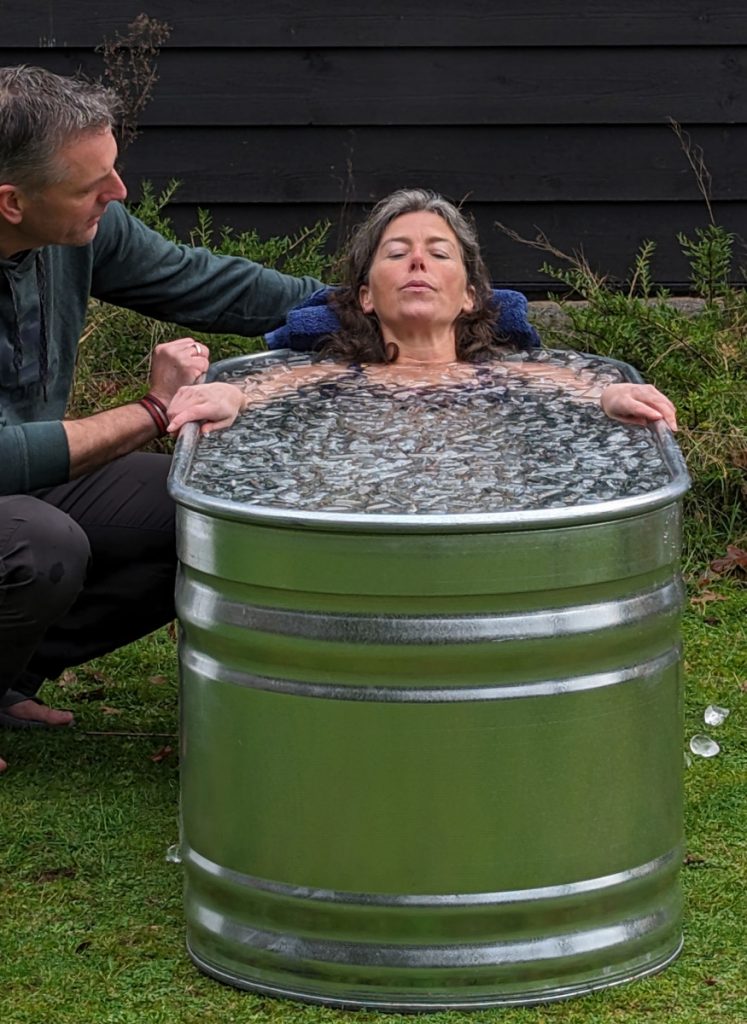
(359,339)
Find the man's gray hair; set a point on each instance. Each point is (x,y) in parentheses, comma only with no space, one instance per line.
(40,113)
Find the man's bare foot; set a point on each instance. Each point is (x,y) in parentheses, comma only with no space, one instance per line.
(33,711)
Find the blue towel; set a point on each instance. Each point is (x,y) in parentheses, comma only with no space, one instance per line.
(313,319)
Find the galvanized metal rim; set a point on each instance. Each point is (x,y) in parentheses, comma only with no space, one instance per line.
(357,1000)
(530,519)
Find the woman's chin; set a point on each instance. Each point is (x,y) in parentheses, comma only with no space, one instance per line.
(419,316)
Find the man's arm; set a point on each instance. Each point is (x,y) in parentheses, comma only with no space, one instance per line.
(96,440)
(41,454)
(136,267)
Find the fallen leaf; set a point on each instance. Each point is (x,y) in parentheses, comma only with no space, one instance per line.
(735,558)
(67,678)
(110,711)
(743,687)
(83,946)
(171,630)
(706,597)
(707,577)
(157,680)
(711,981)
(692,860)
(99,677)
(162,754)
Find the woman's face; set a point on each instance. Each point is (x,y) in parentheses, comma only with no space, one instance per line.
(417,275)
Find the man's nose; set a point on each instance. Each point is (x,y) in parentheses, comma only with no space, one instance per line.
(121,188)
(117,189)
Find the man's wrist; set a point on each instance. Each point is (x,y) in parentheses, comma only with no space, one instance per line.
(157,412)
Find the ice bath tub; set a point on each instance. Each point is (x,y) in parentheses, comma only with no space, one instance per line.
(430,761)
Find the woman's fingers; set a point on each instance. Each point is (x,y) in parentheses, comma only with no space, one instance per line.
(214,405)
(639,404)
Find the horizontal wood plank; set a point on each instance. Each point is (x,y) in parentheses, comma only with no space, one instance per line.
(276,115)
(330,23)
(609,234)
(437,86)
(515,164)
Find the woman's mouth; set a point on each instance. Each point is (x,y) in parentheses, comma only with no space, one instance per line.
(418,286)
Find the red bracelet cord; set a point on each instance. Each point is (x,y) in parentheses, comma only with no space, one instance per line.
(157,412)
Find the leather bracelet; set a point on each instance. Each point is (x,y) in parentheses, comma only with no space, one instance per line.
(157,412)
(158,404)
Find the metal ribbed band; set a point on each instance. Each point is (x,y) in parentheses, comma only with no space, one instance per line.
(432,957)
(661,865)
(201,603)
(206,667)
(487,962)
(408,1000)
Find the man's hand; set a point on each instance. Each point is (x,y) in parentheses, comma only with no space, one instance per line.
(176,364)
(95,440)
(215,405)
(638,404)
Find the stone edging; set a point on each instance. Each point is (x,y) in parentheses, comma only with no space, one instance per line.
(552,316)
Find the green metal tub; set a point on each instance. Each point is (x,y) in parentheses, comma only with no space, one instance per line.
(432,761)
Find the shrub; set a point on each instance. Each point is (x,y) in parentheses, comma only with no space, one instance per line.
(699,360)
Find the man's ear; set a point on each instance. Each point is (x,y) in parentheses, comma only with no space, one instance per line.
(364,298)
(11,208)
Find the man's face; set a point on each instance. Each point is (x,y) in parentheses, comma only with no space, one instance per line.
(68,212)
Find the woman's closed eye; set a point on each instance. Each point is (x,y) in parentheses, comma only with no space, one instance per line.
(398,254)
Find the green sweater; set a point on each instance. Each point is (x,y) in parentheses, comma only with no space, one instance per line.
(43,299)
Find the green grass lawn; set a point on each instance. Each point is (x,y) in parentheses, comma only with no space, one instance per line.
(92,929)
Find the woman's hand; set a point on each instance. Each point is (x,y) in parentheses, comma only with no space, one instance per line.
(216,405)
(638,404)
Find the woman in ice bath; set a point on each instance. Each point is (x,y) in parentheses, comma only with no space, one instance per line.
(416,306)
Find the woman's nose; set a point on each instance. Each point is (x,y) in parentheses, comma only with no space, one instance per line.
(417,258)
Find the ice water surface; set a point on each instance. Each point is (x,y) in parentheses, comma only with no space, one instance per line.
(477,440)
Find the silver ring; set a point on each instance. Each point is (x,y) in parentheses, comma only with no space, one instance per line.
(198,349)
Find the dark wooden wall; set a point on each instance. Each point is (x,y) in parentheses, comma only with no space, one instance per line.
(549,115)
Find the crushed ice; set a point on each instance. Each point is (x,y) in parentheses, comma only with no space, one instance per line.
(704,746)
(714,715)
(470,439)
(174,854)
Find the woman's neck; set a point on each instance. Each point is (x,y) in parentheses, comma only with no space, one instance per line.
(422,346)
